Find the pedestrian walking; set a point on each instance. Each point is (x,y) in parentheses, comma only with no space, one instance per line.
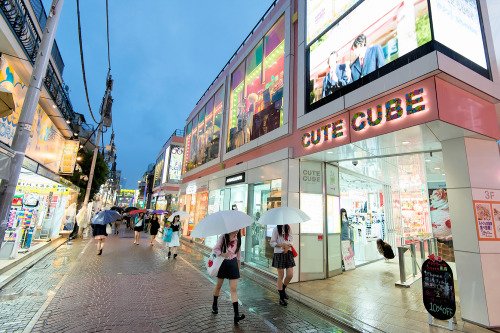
(138,227)
(174,241)
(118,223)
(282,241)
(155,225)
(100,234)
(229,247)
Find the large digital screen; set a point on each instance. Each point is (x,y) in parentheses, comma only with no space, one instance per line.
(175,167)
(372,35)
(322,13)
(457,26)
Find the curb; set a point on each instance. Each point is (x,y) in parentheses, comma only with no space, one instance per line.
(48,249)
(264,280)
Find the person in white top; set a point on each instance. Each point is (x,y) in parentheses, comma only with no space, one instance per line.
(282,241)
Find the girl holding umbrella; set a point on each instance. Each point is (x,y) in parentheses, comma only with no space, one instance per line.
(174,241)
(282,241)
(229,247)
(100,234)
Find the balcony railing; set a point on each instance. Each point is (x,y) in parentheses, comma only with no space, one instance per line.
(21,23)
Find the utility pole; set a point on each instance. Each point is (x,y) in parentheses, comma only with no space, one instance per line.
(105,118)
(25,123)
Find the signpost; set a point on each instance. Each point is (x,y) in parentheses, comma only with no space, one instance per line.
(438,290)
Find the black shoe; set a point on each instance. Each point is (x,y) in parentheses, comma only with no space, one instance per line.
(238,318)
(169,254)
(100,252)
(175,255)
(284,292)
(215,310)
(283,302)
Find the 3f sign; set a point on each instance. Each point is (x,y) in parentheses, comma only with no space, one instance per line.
(489,195)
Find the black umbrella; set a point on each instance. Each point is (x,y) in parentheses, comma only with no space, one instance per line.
(118,209)
(129,209)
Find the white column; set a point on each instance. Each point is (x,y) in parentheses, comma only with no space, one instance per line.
(472,168)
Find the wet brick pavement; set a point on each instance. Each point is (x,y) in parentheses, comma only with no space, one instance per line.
(135,289)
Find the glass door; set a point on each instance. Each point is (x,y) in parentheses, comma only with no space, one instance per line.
(312,258)
(333,234)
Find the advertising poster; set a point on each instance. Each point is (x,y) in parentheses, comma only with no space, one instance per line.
(457,26)
(372,35)
(332,180)
(484,220)
(68,160)
(159,170)
(348,255)
(440,214)
(165,166)
(310,177)
(175,167)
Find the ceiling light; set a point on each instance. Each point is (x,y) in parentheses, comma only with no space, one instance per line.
(54,106)
(444,174)
(437,168)
(406,142)
(68,122)
(330,152)
(427,160)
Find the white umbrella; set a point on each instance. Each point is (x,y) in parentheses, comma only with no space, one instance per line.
(283,215)
(182,215)
(220,223)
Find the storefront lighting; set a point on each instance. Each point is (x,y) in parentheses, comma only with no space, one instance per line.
(79,158)
(54,106)
(68,122)
(427,160)
(437,168)
(406,142)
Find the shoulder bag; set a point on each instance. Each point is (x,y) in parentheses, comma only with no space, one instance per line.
(213,264)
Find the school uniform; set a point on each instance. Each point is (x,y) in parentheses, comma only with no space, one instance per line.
(280,259)
(229,269)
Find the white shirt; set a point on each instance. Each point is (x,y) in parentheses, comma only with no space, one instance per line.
(277,239)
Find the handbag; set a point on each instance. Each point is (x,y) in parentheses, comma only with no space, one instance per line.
(109,231)
(168,235)
(294,252)
(213,264)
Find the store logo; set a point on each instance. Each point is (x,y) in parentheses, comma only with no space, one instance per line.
(239,178)
(333,131)
(393,111)
(191,189)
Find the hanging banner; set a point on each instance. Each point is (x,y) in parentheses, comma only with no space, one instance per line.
(68,160)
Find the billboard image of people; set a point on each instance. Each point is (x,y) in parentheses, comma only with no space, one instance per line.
(371,35)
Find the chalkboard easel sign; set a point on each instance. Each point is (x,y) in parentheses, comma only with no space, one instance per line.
(438,290)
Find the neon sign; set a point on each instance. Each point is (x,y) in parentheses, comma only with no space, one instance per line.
(393,111)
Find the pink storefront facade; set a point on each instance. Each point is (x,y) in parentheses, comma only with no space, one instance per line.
(401,135)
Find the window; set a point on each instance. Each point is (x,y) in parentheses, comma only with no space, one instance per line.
(256,103)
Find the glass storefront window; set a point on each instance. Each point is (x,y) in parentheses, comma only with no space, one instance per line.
(256,104)
(264,196)
(203,133)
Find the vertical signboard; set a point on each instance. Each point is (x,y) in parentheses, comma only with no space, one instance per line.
(68,160)
(175,167)
(332,180)
(165,166)
(438,288)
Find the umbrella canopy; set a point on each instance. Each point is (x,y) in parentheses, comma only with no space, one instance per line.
(118,209)
(222,222)
(128,209)
(283,215)
(182,215)
(6,102)
(105,217)
(158,211)
(137,211)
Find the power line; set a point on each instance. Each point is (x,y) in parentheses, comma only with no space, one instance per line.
(107,30)
(81,56)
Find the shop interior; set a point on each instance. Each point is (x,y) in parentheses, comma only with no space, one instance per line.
(393,187)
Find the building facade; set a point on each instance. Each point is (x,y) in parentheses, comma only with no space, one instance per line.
(385,111)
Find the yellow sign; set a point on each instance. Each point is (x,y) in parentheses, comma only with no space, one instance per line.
(68,160)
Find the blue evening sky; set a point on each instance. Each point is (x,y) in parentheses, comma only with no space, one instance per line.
(164,55)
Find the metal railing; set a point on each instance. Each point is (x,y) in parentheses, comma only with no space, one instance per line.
(21,23)
(41,17)
(406,279)
(177,132)
(239,48)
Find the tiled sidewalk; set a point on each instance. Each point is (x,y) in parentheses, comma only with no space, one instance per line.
(368,294)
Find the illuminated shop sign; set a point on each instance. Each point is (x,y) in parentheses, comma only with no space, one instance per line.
(191,189)
(235,179)
(392,110)
(324,133)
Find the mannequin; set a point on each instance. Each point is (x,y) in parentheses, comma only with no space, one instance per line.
(344,225)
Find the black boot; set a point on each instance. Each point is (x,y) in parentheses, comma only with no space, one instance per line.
(282,298)
(169,254)
(215,310)
(237,315)
(175,255)
(284,292)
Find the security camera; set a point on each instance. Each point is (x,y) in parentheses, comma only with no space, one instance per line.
(354,163)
